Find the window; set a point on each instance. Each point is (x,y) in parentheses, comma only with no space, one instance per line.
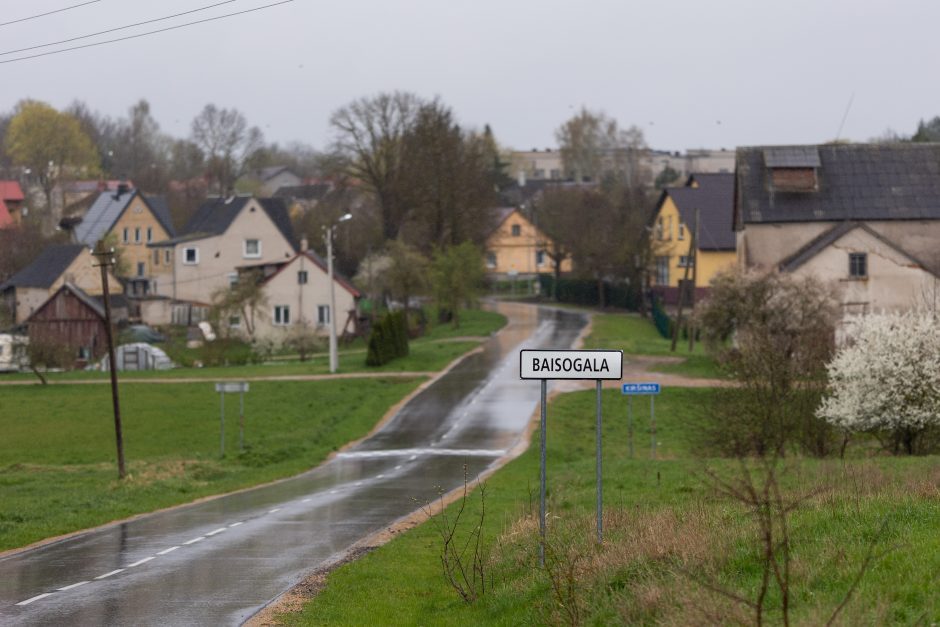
(141,268)
(323,314)
(252,248)
(490,259)
(556,174)
(156,257)
(668,235)
(281,314)
(137,235)
(539,173)
(659,228)
(234,321)
(126,237)
(167,256)
(191,256)
(662,271)
(516,230)
(232,279)
(302,277)
(539,257)
(685,261)
(149,234)
(858,265)
(681,231)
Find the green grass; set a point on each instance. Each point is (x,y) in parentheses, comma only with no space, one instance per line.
(57,462)
(659,520)
(638,336)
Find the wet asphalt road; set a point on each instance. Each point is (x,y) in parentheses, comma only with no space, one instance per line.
(219,562)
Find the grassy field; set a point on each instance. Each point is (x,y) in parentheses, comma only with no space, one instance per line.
(665,529)
(637,336)
(57,462)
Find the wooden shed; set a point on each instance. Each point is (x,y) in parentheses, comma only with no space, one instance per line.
(72,320)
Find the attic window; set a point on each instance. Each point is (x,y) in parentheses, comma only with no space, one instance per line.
(793,168)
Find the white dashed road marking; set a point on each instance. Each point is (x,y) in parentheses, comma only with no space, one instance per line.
(139,562)
(272,511)
(235,524)
(35,598)
(195,540)
(169,550)
(216,531)
(74,585)
(113,572)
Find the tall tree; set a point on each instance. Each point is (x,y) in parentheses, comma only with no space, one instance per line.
(229,144)
(369,136)
(594,147)
(51,145)
(141,151)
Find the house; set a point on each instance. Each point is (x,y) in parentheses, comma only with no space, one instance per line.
(133,220)
(709,199)
(12,209)
(32,286)
(864,218)
(76,191)
(75,322)
(223,234)
(297,293)
(266,181)
(516,248)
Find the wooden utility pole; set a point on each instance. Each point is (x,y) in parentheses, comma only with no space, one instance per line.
(694,260)
(105,261)
(685,280)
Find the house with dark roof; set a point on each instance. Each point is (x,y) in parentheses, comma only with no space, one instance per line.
(132,220)
(224,234)
(516,247)
(297,293)
(704,205)
(32,286)
(266,181)
(864,218)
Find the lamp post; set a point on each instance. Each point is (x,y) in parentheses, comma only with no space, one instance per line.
(334,358)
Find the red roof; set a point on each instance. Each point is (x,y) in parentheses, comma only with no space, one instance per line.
(5,218)
(10,190)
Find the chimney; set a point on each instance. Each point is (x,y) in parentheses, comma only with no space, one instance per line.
(304,244)
(122,188)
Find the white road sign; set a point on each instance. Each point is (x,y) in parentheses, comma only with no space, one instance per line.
(231,386)
(571,364)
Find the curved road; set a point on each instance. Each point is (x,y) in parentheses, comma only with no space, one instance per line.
(220,561)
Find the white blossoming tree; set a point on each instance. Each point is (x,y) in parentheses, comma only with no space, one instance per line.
(887,380)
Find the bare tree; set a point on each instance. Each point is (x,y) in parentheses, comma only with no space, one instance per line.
(228,143)
(369,136)
(594,147)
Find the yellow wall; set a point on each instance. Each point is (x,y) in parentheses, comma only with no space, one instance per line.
(666,241)
(138,215)
(517,252)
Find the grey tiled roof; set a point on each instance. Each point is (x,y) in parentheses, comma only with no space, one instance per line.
(855,182)
(215,216)
(109,206)
(714,199)
(791,157)
(46,268)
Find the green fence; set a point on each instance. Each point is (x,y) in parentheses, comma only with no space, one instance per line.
(584,292)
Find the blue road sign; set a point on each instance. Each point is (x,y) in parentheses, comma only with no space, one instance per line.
(640,388)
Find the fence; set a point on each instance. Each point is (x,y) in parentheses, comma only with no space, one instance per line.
(584,292)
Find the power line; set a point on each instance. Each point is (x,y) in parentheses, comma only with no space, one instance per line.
(33,17)
(152,32)
(111,30)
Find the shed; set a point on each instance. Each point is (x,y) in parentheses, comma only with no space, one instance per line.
(72,320)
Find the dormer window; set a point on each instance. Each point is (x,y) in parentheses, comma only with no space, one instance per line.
(793,168)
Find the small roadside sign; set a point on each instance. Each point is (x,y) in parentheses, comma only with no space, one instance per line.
(639,388)
(571,364)
(232,386)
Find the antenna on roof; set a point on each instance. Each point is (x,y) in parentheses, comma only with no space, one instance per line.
(844,116)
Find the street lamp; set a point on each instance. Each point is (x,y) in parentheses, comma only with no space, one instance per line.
(334,358)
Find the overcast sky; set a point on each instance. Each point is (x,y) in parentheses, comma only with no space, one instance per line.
(689,73)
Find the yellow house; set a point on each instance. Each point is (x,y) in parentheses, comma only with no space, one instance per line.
(133,221)
(710,198)
(517,248)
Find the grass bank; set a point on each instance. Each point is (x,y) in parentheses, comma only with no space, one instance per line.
(668,538)
(57,462)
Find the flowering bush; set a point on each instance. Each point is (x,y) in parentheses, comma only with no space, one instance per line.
(887,379)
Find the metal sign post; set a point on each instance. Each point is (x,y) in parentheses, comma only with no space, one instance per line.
(642,389)
(232,387)
(596,365)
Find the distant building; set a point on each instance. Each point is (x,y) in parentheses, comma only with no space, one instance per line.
(864,218)
(517,248)
(710,198)
(11,204)
(266,181)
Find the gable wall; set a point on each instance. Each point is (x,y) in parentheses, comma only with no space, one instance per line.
(220,255)
(517,253)
(710,262)
(138,215)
